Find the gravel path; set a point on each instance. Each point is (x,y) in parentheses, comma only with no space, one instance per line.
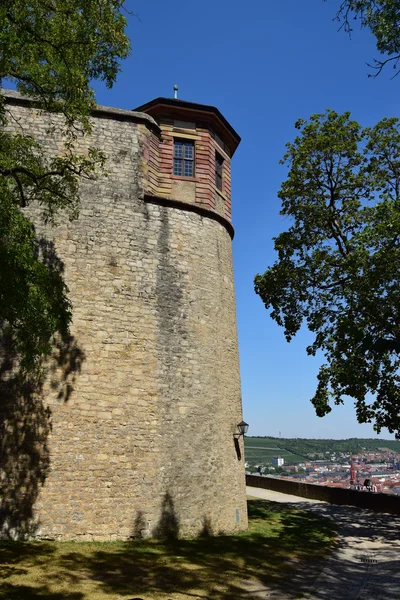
(366,564)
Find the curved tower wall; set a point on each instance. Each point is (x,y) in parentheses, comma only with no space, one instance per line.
(143,441)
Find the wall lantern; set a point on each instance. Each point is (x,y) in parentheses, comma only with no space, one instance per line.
(243,427)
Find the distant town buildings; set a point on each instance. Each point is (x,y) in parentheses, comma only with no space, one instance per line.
(369,471)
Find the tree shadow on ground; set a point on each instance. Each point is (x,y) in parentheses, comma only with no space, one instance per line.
(368,525)
(25,420)
(22,592)
(285,556)
(16,558)
(221,567)
(375,541)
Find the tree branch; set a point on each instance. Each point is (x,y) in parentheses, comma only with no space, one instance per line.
(21,191)
(379,65)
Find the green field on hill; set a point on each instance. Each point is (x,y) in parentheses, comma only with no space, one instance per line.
(261,450)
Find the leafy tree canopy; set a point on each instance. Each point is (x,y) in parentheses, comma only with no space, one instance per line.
(382,17)
(51,50)
(338,266)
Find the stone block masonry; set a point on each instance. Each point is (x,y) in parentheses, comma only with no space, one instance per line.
(143,444)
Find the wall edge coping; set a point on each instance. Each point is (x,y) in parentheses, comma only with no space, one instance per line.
(187,206)
(369,500)
(13,97)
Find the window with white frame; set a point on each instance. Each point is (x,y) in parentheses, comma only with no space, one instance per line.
(184,158)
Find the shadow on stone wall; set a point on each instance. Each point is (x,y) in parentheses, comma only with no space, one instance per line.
(24,456)
(25,423)
(64,367)
(237,448)
(167,527)
(139,526)
(207,528)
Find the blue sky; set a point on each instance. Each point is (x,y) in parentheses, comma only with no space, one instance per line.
(264,64)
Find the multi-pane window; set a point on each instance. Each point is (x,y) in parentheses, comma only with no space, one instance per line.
(219,162)
(184,158)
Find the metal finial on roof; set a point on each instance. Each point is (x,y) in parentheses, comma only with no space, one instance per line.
(176,92)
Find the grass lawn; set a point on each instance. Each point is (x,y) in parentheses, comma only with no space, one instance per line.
(283,548)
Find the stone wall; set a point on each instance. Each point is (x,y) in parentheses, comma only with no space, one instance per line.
(377,502)
(142,443)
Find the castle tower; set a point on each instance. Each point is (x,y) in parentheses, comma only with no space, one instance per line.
(143,439)
(192,161)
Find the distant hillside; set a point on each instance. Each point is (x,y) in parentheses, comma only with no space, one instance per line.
(262,451)
(294,450)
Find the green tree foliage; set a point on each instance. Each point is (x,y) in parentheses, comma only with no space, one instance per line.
(382,17)
(51,50)
(338,266)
